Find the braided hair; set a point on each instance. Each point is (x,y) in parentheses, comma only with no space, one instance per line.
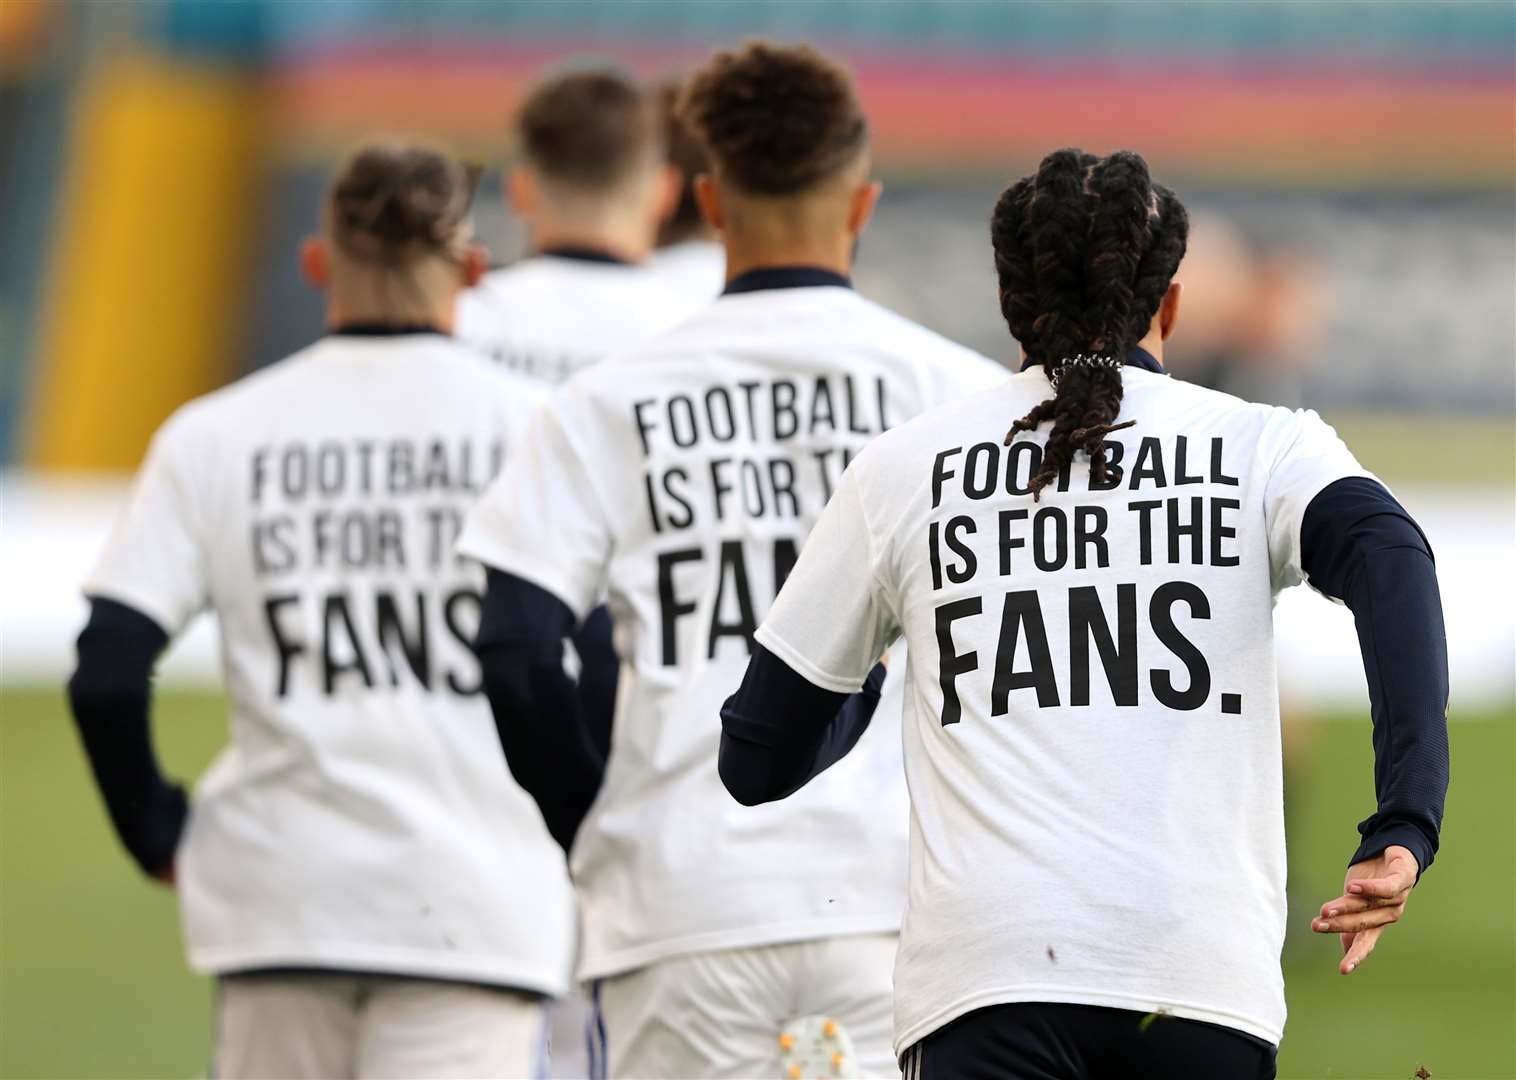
(1085,251)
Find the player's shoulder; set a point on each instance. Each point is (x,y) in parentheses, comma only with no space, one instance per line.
(1196,403)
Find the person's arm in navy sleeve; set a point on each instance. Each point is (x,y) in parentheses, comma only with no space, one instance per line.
(599,671)
(110,695)
(779,730)
(538,711)
(1360,546)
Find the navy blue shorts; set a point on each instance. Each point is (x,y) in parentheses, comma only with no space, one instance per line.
(1084,1042)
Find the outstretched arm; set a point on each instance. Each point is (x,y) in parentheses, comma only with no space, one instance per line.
(778,730)
(539,714)
(111,695)
(1360,546)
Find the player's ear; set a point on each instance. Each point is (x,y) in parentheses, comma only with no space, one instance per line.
(315,263)
(709,201)
(670,186)
(522,191)
(861,205)
(473,264)
(1168,309)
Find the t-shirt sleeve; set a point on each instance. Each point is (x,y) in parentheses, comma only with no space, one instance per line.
(1312,456)
(541,518)
(832,619)
(154,560)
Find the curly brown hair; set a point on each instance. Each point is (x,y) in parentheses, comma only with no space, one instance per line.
(1085,251)
(589,130)
(777,119)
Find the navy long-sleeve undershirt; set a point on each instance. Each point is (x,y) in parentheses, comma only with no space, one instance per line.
(1358,545)
(554,742)
(110,694)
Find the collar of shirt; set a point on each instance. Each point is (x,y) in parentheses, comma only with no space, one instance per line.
(378,329)
(1135,357)
(784,277)
(584,254)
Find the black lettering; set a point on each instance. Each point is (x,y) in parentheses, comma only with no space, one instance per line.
(733,562)
(711,396)
(287,647)
(672,609)
(414,647)
(1007,541)
(687,519)
(852,407)
(335,611)
(1089,529)
(687,440)
(1113,472)
(823,395)
(1022,452)
(951,663)
(465,633)
(989,453)
(1221,531)
(1192,528)
(1149,463)
(1181,452)
(941,474)
(719,486)
(782,480)
(1022,609)
(643,427)
(1145,528)
(1217,476)
(968,565)
(1060,542)
(1160,612)
(784,389)
(1118,655)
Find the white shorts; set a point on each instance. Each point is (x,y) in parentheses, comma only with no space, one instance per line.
(373,1027)
(718,1015)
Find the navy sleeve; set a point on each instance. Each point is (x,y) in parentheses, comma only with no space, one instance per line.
(538,712)
(110,695)
(779,730)
(599,671)
(1360,546)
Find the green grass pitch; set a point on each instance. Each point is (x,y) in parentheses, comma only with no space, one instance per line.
(92,981)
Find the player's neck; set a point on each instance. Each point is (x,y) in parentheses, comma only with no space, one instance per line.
(438,315)
(626,241)
(1153,343)
(742,257)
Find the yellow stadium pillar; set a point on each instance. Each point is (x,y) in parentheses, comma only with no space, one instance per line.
(152,254)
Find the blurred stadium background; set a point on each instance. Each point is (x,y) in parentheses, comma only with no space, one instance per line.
(1352,167)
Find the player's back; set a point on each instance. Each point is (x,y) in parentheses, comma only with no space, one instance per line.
(706,457)
(556,313)
(1093,682)
(361,817)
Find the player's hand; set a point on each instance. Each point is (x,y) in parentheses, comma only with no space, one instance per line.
(166,876)
(1373,897)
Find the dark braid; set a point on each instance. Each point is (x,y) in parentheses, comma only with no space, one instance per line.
(1085,251)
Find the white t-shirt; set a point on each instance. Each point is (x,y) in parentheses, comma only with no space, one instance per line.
(1091,721)
(551,315)
(362,816)
(682,479)
(694,271)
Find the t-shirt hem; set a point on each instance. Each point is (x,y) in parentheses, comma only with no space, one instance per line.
(162,614)
(1248,1025)
(529,567)
(417,963)
(604,965)
(814,675)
